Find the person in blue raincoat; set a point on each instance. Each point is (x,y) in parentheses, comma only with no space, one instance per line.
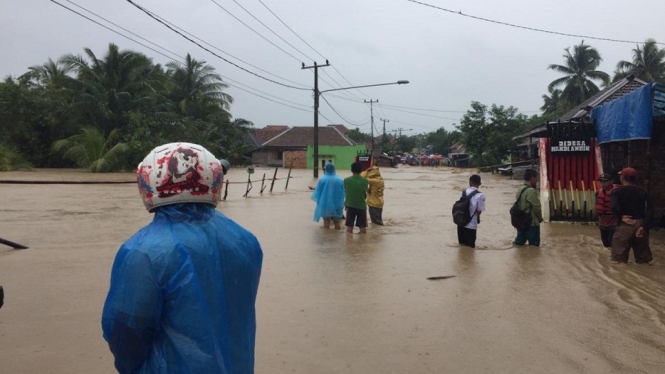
(183,288)
(329,196)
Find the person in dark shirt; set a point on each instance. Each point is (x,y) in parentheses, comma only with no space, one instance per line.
(634,212)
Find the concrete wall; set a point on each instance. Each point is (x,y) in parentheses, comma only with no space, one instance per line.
(341,156)
(265,157)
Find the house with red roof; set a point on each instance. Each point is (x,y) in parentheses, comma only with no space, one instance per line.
(285,146)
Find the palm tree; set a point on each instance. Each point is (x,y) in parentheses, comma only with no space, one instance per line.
(51,74)
(115,84)
(198,89)
(90,149)
(552,102)
(580,73)
(647,64)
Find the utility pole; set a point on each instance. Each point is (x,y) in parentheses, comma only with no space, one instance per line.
(384,126)
(371,116)
(316,113)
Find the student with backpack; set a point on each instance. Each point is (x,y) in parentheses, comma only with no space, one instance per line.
(466,212)
(528,229)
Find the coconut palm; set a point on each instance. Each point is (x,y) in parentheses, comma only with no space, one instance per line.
(552,102)
(114,84)
(648,63)
(51,74)
(579,75)
(90,149)
(10,160)
(198,89)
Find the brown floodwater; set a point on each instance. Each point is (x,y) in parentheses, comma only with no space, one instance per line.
(330,302)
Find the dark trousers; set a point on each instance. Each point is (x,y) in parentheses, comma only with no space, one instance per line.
(532,235)
(606,234)
(624,239)
(466,236)
(375,215)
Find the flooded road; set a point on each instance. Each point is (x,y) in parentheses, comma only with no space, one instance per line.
(330,302)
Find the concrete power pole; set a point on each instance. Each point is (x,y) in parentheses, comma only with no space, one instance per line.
(371,116)
(316,113)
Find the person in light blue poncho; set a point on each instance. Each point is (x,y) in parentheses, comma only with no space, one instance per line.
(183,288)
(329,196)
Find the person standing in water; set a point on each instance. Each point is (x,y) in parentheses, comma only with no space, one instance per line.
(374,194)
(466,235)
(606,219)
(528,201)
(329,197)
(634,212)
(355,204)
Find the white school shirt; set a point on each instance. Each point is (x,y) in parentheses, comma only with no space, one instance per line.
(477,204)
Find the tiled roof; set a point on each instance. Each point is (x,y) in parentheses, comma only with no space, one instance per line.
(343,129)
(269,132)
(613,91)
(304,136)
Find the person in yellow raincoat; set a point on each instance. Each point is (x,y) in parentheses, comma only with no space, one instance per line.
(374,194)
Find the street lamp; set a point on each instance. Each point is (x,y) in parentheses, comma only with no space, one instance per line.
(318,93)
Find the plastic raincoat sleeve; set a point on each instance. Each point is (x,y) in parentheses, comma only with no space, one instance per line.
(135,302)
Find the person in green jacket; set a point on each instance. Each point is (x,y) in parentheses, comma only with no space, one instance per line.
(355,187)
(529,202)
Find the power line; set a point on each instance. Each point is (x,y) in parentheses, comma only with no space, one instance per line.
(420,114)
(182,58)
(340,116)
(211,52)
(303,40)
(459,13)
(221,51)
(269,29)
(296,34)
(110,29)
(256,32)
(124,29)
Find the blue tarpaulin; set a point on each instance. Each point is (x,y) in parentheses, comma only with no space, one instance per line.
(629,117)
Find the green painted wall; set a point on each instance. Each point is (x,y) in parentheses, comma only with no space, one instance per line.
(342,156)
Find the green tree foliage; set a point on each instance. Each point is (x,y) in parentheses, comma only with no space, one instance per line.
(579,73)
(12,160)
(441,140)
(357,136)
(91,150)
(648,63)
(127,98)
(488,133)
(552,103)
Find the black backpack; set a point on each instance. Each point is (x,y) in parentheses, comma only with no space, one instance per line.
(461,214)
(519,218)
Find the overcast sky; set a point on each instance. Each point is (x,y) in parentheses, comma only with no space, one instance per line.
(450,60)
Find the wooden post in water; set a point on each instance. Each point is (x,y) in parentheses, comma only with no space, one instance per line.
(249,184)
(12,244)
(226,190)
(263,181)
(287,179)
(273,179)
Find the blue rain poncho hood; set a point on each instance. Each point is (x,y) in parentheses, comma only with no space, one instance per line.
(329,195)
(182,295)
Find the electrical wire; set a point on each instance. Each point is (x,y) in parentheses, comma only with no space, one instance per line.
(182,59)
(340,116)
(110,29)
(269,29)
(256,32)
(221,51)
(211,52)
(524,27)
(420,114)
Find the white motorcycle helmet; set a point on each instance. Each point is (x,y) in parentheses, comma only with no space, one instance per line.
(179,173)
